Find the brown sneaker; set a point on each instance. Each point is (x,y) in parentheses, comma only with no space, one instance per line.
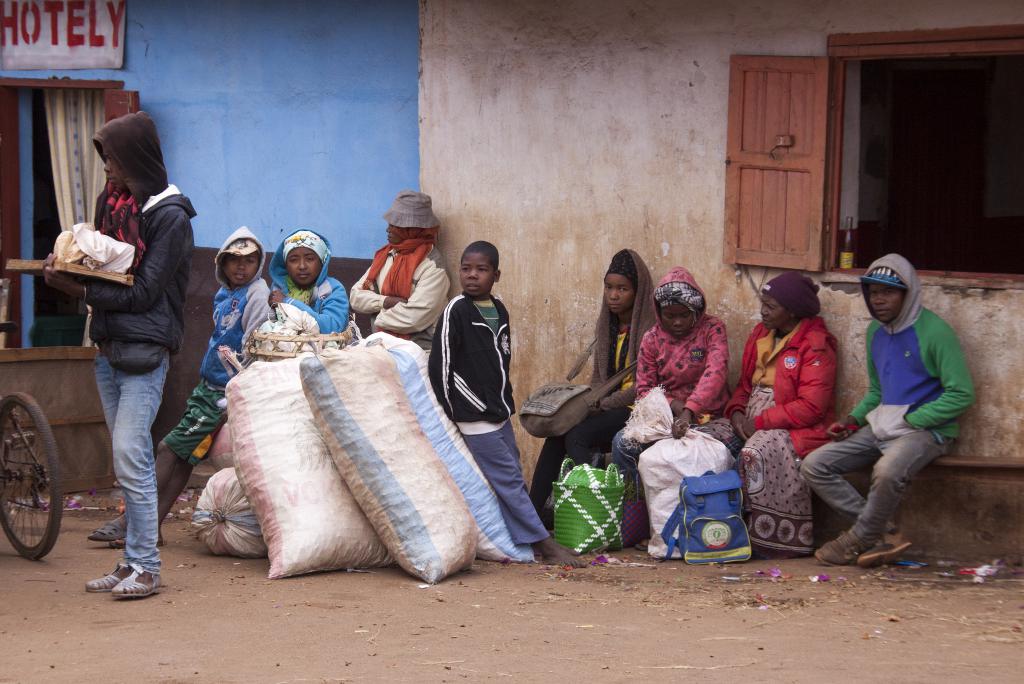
(881,554)
(843,550)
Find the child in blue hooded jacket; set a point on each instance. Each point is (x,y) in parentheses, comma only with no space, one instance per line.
(299,274)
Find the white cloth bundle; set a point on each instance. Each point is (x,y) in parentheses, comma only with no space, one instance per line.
(84,245)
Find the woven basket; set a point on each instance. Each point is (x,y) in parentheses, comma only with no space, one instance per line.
(267,346)
(588,508)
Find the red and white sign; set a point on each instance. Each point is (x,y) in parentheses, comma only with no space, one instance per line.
(62,34)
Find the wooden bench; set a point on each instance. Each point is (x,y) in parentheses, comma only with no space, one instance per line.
(957,461)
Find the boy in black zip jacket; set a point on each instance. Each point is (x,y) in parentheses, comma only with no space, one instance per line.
(469,371)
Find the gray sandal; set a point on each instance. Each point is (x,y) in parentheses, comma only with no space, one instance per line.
(111,531)
(107,583)
(131,588)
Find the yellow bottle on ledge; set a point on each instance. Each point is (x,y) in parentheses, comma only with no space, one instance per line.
(846,253)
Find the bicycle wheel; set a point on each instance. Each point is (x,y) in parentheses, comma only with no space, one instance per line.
(31,502)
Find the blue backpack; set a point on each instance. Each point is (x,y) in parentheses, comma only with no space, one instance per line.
(709,520)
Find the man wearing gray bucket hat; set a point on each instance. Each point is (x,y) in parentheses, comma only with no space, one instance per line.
(406,286)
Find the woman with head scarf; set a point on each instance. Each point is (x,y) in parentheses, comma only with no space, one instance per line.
(298,271)
(627,312)
(782,407)
(406,287)
(687,355)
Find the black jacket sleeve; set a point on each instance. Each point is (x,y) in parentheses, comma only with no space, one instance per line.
(445,344)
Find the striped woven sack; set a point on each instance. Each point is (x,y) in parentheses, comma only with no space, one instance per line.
(361,408)
(309,518)
(588,507)
(494,541)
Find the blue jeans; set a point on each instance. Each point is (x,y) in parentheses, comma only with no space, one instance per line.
(130,402)
(893,463)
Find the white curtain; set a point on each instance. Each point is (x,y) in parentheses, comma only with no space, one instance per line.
(72,117)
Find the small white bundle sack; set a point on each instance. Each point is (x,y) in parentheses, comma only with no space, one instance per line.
(85,245)
(650,420)
(310,520)
(363,413)
(287,320)
(224,521)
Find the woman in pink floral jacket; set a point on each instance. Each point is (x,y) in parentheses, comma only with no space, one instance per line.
(687,354)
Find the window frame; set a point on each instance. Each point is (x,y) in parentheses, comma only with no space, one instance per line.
(859,47)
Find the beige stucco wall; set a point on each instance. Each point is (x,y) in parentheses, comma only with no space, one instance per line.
(563,131)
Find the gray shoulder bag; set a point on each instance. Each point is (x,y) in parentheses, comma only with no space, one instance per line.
(553,410)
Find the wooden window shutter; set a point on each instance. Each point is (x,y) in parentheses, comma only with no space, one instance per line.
(119,102)
(775,163)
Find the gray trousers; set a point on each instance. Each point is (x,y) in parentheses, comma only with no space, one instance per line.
(498,457)
(894,462)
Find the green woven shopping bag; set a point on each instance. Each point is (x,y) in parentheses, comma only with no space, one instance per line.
(588,508)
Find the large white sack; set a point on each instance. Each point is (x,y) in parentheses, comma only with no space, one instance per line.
(224,520)
(494,541)
(362,411)
(662,469)
(309,519)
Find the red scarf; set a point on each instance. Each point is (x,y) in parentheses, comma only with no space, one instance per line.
(119,219)
(415,246)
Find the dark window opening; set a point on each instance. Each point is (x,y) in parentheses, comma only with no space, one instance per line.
(932,155)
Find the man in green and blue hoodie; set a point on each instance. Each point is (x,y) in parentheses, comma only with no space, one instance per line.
(919,386)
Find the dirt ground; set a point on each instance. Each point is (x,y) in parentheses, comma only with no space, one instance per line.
(219,619)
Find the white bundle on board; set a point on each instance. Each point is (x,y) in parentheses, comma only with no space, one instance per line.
(84,245)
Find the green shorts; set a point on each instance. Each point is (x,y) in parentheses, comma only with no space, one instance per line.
(190,440)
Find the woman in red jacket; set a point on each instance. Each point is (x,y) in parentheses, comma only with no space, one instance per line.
(782,407)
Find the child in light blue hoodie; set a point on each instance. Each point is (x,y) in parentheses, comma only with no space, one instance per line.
(299,274)
(239,307)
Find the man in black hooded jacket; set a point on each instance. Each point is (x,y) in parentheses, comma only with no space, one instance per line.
(136,327)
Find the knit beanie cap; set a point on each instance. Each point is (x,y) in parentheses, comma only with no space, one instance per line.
(795,292)
(411,209)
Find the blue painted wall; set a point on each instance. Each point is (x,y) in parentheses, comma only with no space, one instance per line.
(279,115)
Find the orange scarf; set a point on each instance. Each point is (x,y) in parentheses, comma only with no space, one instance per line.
(415,246)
